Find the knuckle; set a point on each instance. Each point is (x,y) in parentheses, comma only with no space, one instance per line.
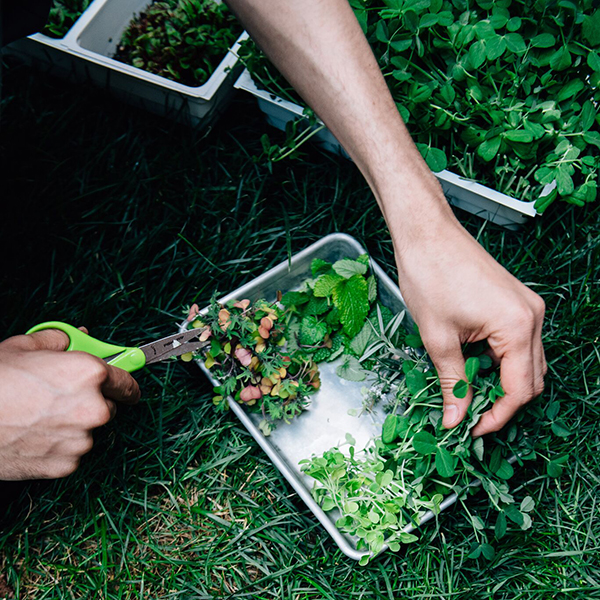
(94,414)
(62,469)
(91,368)
(523,316)
(539,306)
(101,415)
(440,345)
(85,445)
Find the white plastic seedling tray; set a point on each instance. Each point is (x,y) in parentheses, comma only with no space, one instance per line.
(327,421)
(86,51)
(47,53)
(467,195)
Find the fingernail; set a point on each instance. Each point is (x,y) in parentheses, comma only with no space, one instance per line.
(450,415)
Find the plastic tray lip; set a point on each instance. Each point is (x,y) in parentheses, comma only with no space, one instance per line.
(205,92)
(298,486)
(247,84)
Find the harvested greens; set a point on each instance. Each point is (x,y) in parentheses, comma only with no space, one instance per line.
(504,93)
(266,356)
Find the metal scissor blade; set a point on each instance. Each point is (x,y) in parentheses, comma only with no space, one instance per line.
(174,345)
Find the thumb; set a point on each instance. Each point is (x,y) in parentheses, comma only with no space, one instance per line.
(47,339)
(450,366)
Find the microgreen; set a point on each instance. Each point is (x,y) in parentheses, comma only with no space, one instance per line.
(63,15)
(505,93)
(182,40)
(266,356)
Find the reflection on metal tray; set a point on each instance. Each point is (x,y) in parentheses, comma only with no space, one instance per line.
(325,424)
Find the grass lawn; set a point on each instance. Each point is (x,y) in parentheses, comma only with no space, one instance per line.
(116,219)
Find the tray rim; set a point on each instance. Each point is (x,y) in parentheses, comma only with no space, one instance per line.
(298,486)
(524,209)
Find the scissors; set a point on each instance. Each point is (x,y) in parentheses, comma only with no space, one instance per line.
(129,358)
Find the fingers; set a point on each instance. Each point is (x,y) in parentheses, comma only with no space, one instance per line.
(517,374)
(120,386)
(450,365)
(522,370)
(47,339)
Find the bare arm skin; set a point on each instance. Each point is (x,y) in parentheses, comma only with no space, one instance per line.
(50,401)
(456,292)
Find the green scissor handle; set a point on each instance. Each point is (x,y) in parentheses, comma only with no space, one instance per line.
(128,359)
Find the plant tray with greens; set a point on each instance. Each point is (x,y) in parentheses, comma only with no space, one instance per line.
(331,379)
(182,40)
(63,15)
(503,93)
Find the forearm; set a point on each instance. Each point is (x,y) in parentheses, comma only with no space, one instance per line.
(320,48)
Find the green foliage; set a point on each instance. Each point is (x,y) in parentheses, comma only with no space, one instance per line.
(494,91)
(63,15)
(182,40)
(415,463)
(248,358)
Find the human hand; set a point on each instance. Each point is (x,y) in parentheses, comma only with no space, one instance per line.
(457,293)
(50,401)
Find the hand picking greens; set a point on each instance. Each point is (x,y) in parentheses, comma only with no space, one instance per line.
(266,355)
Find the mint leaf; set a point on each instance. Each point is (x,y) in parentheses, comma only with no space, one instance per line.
(312,331)
(325,284)
(295,299)
(319,266)
(316,306)
(347,268)
(351,370)
(351,299)
(424,443)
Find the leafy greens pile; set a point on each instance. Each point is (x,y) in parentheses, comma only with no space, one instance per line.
(265,355)
(182,40)
(505,92)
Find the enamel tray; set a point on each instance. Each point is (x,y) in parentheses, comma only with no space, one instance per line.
(327,421)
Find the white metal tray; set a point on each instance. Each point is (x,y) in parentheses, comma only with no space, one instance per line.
(325,424)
